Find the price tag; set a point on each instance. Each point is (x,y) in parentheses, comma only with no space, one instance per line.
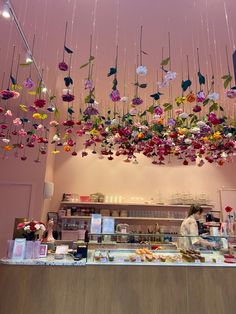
(138,259)
(197,261)
(103,260)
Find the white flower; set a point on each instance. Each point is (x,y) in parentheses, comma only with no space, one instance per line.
(141,70)
(224,155)
(8,113)
(66,91)
(114,122)
(40,126)
(188,141)
(195,130)
(201,124)
(213,96)
(170,76)
(56,138)
(124,99)
(27,228)
(96,102)
(163,84)
(183,115)
(229,135)
(6,140)
(37,226)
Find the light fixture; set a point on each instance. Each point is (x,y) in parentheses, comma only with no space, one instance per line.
(6,10)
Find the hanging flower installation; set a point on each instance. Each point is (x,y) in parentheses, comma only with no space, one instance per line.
(194,128)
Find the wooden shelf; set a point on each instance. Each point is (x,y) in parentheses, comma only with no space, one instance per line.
(126,218)
(128,205)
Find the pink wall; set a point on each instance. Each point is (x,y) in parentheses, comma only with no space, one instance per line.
(90,174)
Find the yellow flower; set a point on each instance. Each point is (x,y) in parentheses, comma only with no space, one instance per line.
(66,148)
(140,135)
(205,139)
(43,116)
(55,151)
(23,107)
(8,147)
(182,131)
(217,135)
(36,115)
(94,132)
(180,100)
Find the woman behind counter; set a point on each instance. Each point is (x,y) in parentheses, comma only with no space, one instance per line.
(189,227)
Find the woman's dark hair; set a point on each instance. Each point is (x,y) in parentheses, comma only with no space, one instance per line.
(195,209)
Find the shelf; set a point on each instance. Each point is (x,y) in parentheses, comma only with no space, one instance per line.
(127,218)
(128,205)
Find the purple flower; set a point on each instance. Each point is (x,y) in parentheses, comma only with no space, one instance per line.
(28,83)
(158,110)
(137,101)
(171,122)
(68,97)
(115,95)
(201,96)
(88,84)
(7,94)
(197,108)
(63,66)
(91,111)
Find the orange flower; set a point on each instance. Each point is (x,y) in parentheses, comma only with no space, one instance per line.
(140,135)
(191,97)
(8,147)
(66,148)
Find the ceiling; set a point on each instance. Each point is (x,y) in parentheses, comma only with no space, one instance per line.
(209,25)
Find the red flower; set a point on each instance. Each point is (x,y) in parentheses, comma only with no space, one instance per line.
(228,209)
(40,103)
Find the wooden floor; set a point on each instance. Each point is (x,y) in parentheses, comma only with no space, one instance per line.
(117,290)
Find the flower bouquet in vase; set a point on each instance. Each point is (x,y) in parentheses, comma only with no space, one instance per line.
(229,222)
(31,229)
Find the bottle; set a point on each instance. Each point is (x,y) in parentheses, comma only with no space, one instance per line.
(86,234)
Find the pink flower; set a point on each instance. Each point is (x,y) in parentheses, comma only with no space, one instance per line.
(8,113)
(179,111)
(231,93)
(63,66)
(115,95)
(17,121)
(22,132)
(158,110)
(54,123)
(133,111)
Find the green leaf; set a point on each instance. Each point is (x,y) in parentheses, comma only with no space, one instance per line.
(56,113)
(25,64)
(87,99)
(165,61)
(186,84)
(167,106)
(70,110)
(38,90)
(68,80)
(112,71)
(114,84)
(52,97)
(221,108)
(13,80)
(213,107)
(84,65)
(228,79)
(151,109)
(143,114)
(201,78)
(193,119)
(143,85)
(156,96)
(205,102)
(68,50)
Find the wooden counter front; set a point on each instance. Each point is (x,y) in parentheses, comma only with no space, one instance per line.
(117,290)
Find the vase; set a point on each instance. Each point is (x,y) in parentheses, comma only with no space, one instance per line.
(30,236)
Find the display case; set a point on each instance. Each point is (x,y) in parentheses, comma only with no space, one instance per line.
(163,249)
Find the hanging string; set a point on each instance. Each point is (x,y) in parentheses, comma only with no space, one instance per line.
(227,60)
(63,56)
(30,67)
(169,50)
(140,45)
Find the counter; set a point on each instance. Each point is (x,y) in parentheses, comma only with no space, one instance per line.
(117,289)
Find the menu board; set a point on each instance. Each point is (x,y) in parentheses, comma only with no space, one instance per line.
(96,223)
(19,249)
(108,225)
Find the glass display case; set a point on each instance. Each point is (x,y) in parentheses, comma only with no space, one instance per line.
(161,249)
